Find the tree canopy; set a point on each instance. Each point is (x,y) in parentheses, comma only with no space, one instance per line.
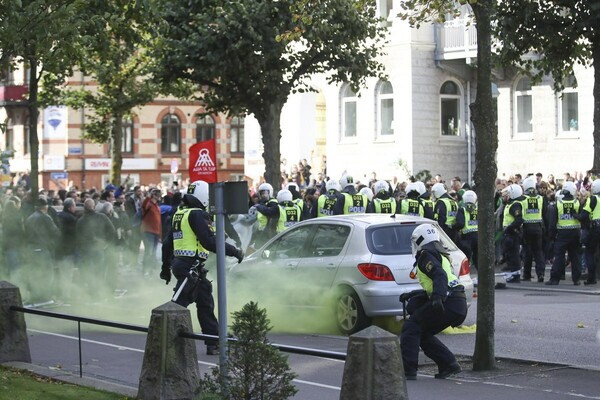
(248,57)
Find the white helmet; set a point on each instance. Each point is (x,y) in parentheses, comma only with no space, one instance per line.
(381,186)
(596,187)
(421,187)
(284,195)
(265,187)
(423,234)
(412,187)
(570,187)
(332,184)
(346,180)
(469,197)
(367,192)
(529,184)
(438,190)
(513,191)
(199,189)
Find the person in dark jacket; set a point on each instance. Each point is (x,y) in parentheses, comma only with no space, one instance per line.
(67,223)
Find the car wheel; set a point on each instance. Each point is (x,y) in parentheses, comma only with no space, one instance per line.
(349,313)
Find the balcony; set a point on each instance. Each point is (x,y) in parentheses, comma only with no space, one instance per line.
(456,39)
(13,95)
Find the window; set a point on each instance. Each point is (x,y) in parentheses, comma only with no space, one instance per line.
(385,109)
(237,135)
(384,8)
(328,240)
(9,136)
(450,99)
(170,134)
(569,106)
(205,128)
(289,245)
(523,104)
(127,139)
(349,111)
(26,136)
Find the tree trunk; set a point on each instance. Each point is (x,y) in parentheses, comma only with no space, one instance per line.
(116,138)
(483,116)
(34,143)
(271,137)
(596,134)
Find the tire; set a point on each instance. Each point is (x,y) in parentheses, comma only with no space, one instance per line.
(349,313)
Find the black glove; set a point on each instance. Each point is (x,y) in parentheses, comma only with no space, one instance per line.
(408,295)
(437,303)
(239,254)
(165,274)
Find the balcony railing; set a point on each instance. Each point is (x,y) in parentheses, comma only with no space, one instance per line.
(13,94)
(456,39)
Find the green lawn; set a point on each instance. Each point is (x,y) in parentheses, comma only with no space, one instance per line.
(22,385)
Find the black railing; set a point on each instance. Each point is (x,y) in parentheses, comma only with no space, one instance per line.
(188,335)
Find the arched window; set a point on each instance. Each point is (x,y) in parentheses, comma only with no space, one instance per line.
(170,133)
(127,139)
(237,134)
(569,106)
(523,106)
(205,128)
(348,111)
(450,99)
(385,109)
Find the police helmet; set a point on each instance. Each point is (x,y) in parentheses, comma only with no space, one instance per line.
(469,197)
(265,187)
(438,190)
(346,180)
(596,187)
(570,187)
(423,234)
(367,192)
(529,185)
(199,189)
(513,191)
(421,187)
(333,184)
(284,195)
(412,187)
(381,186)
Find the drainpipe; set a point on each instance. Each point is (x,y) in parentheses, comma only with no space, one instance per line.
(469,139)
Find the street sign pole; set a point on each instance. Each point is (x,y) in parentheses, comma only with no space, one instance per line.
(221,286)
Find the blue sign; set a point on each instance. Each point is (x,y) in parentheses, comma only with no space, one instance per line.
(58,175)
(74,150)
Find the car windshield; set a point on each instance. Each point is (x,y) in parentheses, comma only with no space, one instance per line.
(395,239)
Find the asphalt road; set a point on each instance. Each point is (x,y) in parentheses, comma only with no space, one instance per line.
(534,322)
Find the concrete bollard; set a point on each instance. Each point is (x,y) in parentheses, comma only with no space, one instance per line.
(170,368)
(14,344)
(374,369)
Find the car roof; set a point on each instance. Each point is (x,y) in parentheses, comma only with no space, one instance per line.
(374,219)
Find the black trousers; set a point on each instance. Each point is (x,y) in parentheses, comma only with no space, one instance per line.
(592,243)
(420,330)
(511,244)
(534,251)
(468,244)
(202,296)
(567,241)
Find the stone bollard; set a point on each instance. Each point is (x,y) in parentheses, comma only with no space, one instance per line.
(14,345)
(374,369)
(170,368)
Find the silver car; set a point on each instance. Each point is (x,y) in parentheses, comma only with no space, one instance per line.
(353,265)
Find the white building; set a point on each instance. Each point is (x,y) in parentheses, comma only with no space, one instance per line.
(420,118)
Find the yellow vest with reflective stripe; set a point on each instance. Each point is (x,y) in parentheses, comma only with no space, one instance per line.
(451,209)
(471,224)
(411,207)
(185,243)
(595,213)
(427,283)
(355,203)
(387,206)
(288,216)
(325,204)
(507,218)
(532,209)
(565,219)
(263,220)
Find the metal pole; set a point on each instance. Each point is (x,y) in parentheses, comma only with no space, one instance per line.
(79,341)
(221,287)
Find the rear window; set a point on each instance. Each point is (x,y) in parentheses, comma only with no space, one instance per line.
(390,239)
(395,239)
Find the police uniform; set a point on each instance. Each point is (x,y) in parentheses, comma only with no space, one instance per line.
(325,203)
(427,204)
(567,229)
(289,214)
(268,218)
(534,210)
(591,215)
(467,225)
(382,205)
(444,305)
(411,206)
(512,221)
(350,202)
(445,214)
(186,249)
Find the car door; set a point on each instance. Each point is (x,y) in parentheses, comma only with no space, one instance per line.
(318,267)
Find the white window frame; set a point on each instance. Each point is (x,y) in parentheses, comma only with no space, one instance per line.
(347,98)
(381,97)
(569,88)
(517,134)
(459,105)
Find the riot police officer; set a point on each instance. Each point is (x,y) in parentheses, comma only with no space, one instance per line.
(290,212)
(267,214)
(441,303)
(383,202)
(534,212)
(349,201)
(411,204)
(425,197)
(327,200)
(466,224)
(565,226)
(185,251)
(444,210)
(591,216)
(512,221)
